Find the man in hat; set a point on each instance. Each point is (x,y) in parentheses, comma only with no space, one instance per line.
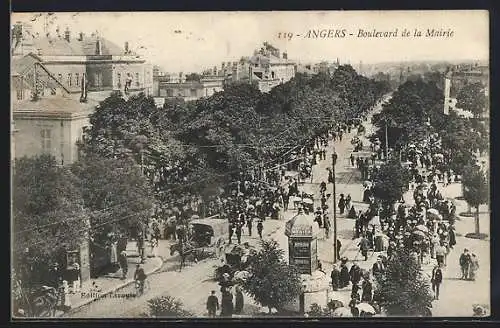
(465,261)
(335,275)
(364,245)
(355,274)
(436,279)
(212,304)
(344,273)
(378,267)
(260,227)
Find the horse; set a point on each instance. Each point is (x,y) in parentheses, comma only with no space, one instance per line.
(187,252)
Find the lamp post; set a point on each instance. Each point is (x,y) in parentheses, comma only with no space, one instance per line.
(334,209)
(386,141)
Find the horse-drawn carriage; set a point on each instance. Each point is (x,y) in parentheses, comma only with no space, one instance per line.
(200,240)
(236,261)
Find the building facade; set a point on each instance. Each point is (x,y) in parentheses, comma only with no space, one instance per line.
(168,87)
(457,78)
(50,126)
(73,59)
(269,69)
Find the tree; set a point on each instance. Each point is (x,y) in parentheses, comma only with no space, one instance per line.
(166,307)
(475,190)
(116,193)
(195,77)
(404,290)
(273,283)
(48,213)
(472,98)
(391,182)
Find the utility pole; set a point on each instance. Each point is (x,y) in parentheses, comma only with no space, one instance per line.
(386,142)
(334,209)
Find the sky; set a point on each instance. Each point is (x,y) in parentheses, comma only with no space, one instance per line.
(193,41)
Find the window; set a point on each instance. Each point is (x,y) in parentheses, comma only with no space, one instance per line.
(70,79)
(170,93)
(19,93)
(193,92)
(46,140)
(119,80)
(137,79)
(77,79)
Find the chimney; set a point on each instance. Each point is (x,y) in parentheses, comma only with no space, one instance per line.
(80,36)
(67,35)
(285,55)
(98,47)
(223,65)
(215,70)
(126,48)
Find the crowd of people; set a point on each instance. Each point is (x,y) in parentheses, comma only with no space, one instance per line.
(426,228)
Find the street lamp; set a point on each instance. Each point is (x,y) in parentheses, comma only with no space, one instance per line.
(334,209)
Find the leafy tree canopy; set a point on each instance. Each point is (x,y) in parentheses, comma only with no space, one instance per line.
(115,191)
(391,181)
(471,97)
(404,289)
(273,283)
(46,196)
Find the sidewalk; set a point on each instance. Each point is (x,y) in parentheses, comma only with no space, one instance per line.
(110,283)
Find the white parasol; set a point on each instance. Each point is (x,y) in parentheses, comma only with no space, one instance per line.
(375,221)
(422,228)
(365,307)
(308,201)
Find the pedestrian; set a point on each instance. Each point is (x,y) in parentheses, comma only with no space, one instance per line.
(249,226)
(344,273)
(378,267)
(140,247)
(352,159)
(341,204)
(440,254)
(465,264)
(436,279)
(326,226)
(238,232)
(322,187)
(122,260)
(231,232)
(154,246)
(339,246)
(239,301)
(76,278)
(367,288)
(355,274)
(66,301)
(474,266)
(364,246)
(260,227)
(348,202)
(335,276)
(227,306)
(212,305)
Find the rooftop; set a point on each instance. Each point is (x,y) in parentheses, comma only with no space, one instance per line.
(86,46)
(57,106)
